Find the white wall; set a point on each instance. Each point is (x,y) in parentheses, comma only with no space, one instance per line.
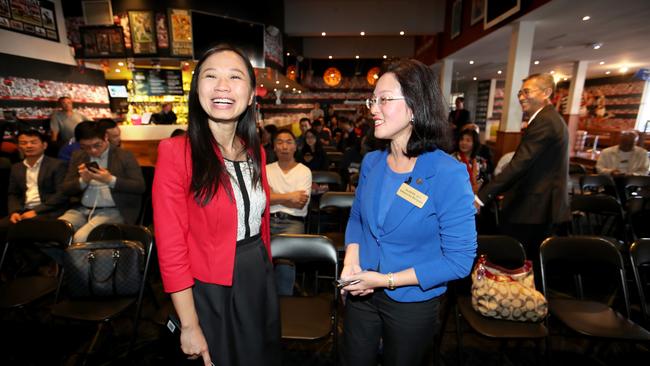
(33,47)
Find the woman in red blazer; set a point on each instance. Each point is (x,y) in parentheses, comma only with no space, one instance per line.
(211,215)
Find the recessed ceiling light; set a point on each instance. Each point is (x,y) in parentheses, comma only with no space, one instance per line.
(536,62)
(288,53)
(552,72)
(471,62)
(294,89)
(607,72)
(261,85)
(474,78)
(499,72)
(275,89)
(120,63)
(597,46)
(384,56)
(565,79)
(323,34)
(286,85)
(363,33)
(117,70)
(357,56)
(624,69)
(401,33)
(299,91)
(602,62)
(277,81)
(330,57)
(586,17)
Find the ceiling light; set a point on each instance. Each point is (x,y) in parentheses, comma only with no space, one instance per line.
(286,85)
(117,70)
(499,72)
(120,63)
(277,81)
(602,62)
(186,63)
(274,89)
(536,62)
(261,85)
(330,57)
(323,34)
(363,33)
(288,53)
(474,78)
(565,79)
(293,71)
(552,72)
(586,17)
(357,56)
(597,46)
(401,33)
(624,69)
(332,75)
(294,89)
(375,76)
(607,72)
(384,56)
(299,91)
(471,62)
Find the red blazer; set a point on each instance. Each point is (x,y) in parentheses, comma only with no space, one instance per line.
(194,241)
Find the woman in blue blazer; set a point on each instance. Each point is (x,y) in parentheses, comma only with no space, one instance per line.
(411,228)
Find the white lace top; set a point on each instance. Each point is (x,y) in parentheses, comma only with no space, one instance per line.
(250,200)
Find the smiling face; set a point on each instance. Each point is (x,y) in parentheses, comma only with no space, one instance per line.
(392,117)
(224,87)
(532,96)
(466,144)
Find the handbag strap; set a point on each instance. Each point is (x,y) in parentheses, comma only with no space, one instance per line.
(91,273)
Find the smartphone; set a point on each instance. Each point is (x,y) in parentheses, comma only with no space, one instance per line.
(93,165)
(341,283)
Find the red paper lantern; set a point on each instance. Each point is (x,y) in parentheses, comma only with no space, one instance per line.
(261,91)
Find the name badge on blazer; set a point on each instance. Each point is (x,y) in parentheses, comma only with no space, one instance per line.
(412,195)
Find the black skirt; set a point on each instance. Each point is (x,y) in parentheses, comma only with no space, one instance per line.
(241,323)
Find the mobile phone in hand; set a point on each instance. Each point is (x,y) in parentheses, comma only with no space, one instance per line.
(92,166)
(341,283)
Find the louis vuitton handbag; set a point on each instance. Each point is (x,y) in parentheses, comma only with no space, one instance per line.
(507,294)
(104,268)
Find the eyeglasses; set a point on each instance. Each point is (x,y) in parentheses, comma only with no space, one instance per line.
(95,146)
(525,92)
(380,100)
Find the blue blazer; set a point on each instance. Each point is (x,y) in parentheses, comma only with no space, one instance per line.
(437,240)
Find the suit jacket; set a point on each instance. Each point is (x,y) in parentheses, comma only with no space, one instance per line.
(460,120)
(437,240)
(193,241)
(535,181)
(129,185)
(50,179)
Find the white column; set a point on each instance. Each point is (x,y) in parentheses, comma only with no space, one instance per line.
(446,74)
(577,85)
(519,56)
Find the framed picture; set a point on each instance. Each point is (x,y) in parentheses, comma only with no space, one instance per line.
(161,30)
(180,25)
(143,33)
(497,11)
(456,18)
(102,41)
(478,7)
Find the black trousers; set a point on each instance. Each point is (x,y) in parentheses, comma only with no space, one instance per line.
(407,330)
(241,323)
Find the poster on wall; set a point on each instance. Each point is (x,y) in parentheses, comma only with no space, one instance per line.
(180,24)
(143,38)
(456,18)
(478,7)
(33,17)
(161,30)
(102,41)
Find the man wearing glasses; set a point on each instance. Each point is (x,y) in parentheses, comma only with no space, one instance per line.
(106,180)
(535,182)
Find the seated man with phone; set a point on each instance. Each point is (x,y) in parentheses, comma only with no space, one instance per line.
(106,181)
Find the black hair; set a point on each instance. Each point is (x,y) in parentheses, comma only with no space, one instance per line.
(422,95)
(178,132)
(476,142)
(32,132)
(106,124)
(271,129)
(88,130)
(283,130)
(317,147)
(304,119)
(316,123)
(208,171)
(460,99)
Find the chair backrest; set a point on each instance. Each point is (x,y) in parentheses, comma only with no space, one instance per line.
(580,254)
(596,203)
(302,248)
(636,185)
(578,169)
(334,156)
(336,199)
(42,231)
(326,177)
(598,183)
(640,257)
(598,214)
(123,232)
(502,250)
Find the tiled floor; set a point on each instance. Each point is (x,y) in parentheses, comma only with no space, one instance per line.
(33,338)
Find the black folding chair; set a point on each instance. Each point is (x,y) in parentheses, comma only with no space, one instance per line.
(640,258)
(599,184)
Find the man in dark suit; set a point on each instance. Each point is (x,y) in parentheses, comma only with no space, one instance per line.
(459,116)
(535,182)
(105,179)
(35,183)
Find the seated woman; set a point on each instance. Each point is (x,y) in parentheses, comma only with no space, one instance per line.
(467,145)
(312,154)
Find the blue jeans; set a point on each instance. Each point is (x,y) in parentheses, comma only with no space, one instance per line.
(285,272)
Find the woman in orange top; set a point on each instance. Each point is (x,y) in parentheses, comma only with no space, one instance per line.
(211,215)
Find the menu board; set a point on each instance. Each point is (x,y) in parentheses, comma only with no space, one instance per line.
(158,82)
(33,17)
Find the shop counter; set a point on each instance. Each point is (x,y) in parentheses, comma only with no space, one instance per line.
(142,140)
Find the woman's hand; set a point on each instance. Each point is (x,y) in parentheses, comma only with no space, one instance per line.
(368,281)
(193,344)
